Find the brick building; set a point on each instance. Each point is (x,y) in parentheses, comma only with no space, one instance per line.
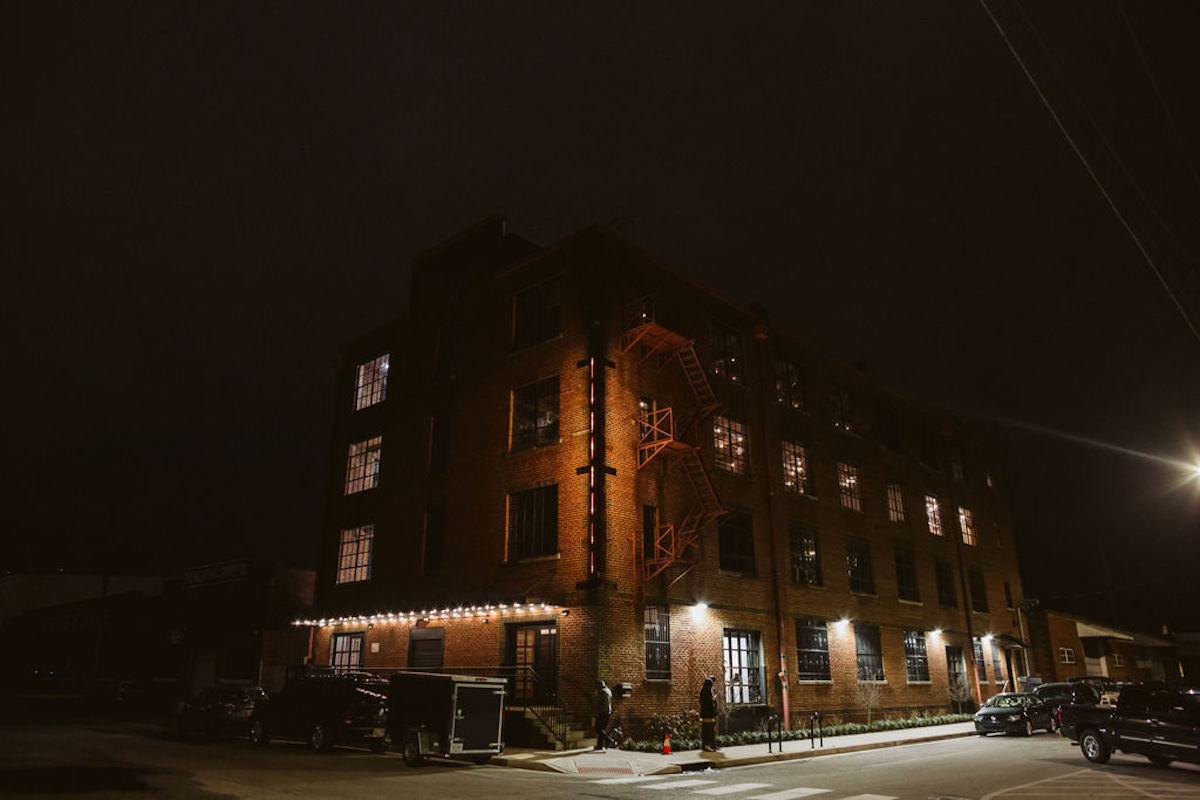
(574,462)
(1063,646)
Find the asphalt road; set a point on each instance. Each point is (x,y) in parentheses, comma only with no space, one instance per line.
(122,760)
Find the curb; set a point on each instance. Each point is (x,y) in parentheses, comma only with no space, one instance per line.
(767,758)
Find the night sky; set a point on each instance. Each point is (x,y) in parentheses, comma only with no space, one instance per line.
(206,199)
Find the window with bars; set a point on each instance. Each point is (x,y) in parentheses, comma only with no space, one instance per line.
(535,414)
(858,566)
(869,652)
(795,468)
(966,524)
(933,513)
(434,553)
(789,385)
(354,554)
(533,523)
(947,593)
(979,601)
(658,643)
(537,313)
(1066,655)
(812,649)
(841,410)
(735,542)
(743,666)
(906,575)
(806,558)
(915,656)
(727,360)
(347,651)
(980,664)
(729,445)
(362,465)
(370,382)
(848,486)
(895,501)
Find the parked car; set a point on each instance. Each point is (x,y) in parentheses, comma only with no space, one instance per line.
(222,710)
(326,708)
(1158,721)
(1106,688)
(1066,694)
(1014,712)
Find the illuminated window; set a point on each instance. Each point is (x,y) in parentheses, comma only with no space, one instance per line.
(840,409)
(729,445)
(354,554)
(727,358)
(868,652)
(947,593)
(789,386)
(742,652)
(347,651)
(362,465)
(848,486)
(812,649)
(806,558)
(980,664)
(966,524)
(975,582)
(1066,655)
(906,575)
(535,414)
(533,523)
(1118,660)
(795,468)
(435,541)
(933,513)
(915,656)
(537,313)
(858,566)
(658,643)
(895,498)
(735,543)
(370,384)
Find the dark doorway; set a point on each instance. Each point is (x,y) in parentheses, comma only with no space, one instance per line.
(956,672)
(532,649)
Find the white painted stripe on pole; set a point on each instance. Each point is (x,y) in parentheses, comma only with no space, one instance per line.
(789,794)
(684,784)
(732,788)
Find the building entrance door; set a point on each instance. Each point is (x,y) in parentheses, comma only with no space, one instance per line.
(956,672)
(533,651)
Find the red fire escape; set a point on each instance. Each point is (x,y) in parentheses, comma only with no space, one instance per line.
(673,541)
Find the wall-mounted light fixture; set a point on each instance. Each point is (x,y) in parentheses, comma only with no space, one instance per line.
(699,611)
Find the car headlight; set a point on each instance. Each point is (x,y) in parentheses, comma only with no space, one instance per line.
(1013,717)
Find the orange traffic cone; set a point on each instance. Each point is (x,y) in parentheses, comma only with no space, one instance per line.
(667,745)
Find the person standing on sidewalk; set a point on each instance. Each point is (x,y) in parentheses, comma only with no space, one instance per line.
(708,715)
(602,708)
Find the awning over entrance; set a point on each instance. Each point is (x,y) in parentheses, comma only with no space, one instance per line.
(1006,642)
(1088,630)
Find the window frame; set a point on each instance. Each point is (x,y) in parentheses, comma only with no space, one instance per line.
(789,384)
(946,585)
(795,468)
(907,577)
(966,527)
(728,352)
(860,561)
(657,637)
(355,565)
(370,382)
(849,486)
(730,451)
(977,586)
(933,514)
(734,554)
(342,649)
(535,537)
(916,656)
(805,564)
(1066,655)
(841,408)
(869,664)
(750,689)
(537,403)
(895,503)
(363,461)
(812,645)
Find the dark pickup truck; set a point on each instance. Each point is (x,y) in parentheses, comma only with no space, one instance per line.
(1158,721)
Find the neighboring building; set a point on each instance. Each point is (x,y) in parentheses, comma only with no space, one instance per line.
(1063,646)
(572,462)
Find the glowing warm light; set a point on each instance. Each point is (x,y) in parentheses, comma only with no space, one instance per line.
(699,611)
(842,623)
(987,639)
(412,617)
(936,633)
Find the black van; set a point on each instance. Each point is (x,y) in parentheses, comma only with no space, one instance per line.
(326,708)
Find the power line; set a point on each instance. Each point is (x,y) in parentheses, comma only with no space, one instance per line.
(1091,172)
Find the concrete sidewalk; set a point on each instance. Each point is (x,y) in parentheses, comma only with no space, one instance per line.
(627,762)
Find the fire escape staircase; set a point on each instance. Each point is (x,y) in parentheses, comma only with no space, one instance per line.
(672,542)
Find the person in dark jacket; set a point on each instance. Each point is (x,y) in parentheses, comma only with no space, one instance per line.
(708,715)
(602,708)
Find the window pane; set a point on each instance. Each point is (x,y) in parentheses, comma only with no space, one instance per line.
(743,666)
(858,566)
(795,468)
(895,498)
(354,554)
(805,561)
(934,514)
(729,445)
(812,649)
(906,575)
(848,485)
(370,383)
(869,652)
(535,414)
(658,642)
(916,658)
(735,533)
(362,465)
(533,523)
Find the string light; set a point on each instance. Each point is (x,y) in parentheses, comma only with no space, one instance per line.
(412,617)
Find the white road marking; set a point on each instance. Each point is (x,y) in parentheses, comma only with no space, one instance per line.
(684,784)
(1092,784)
(636,779)
(732,788)
(789,794)
(872,797)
